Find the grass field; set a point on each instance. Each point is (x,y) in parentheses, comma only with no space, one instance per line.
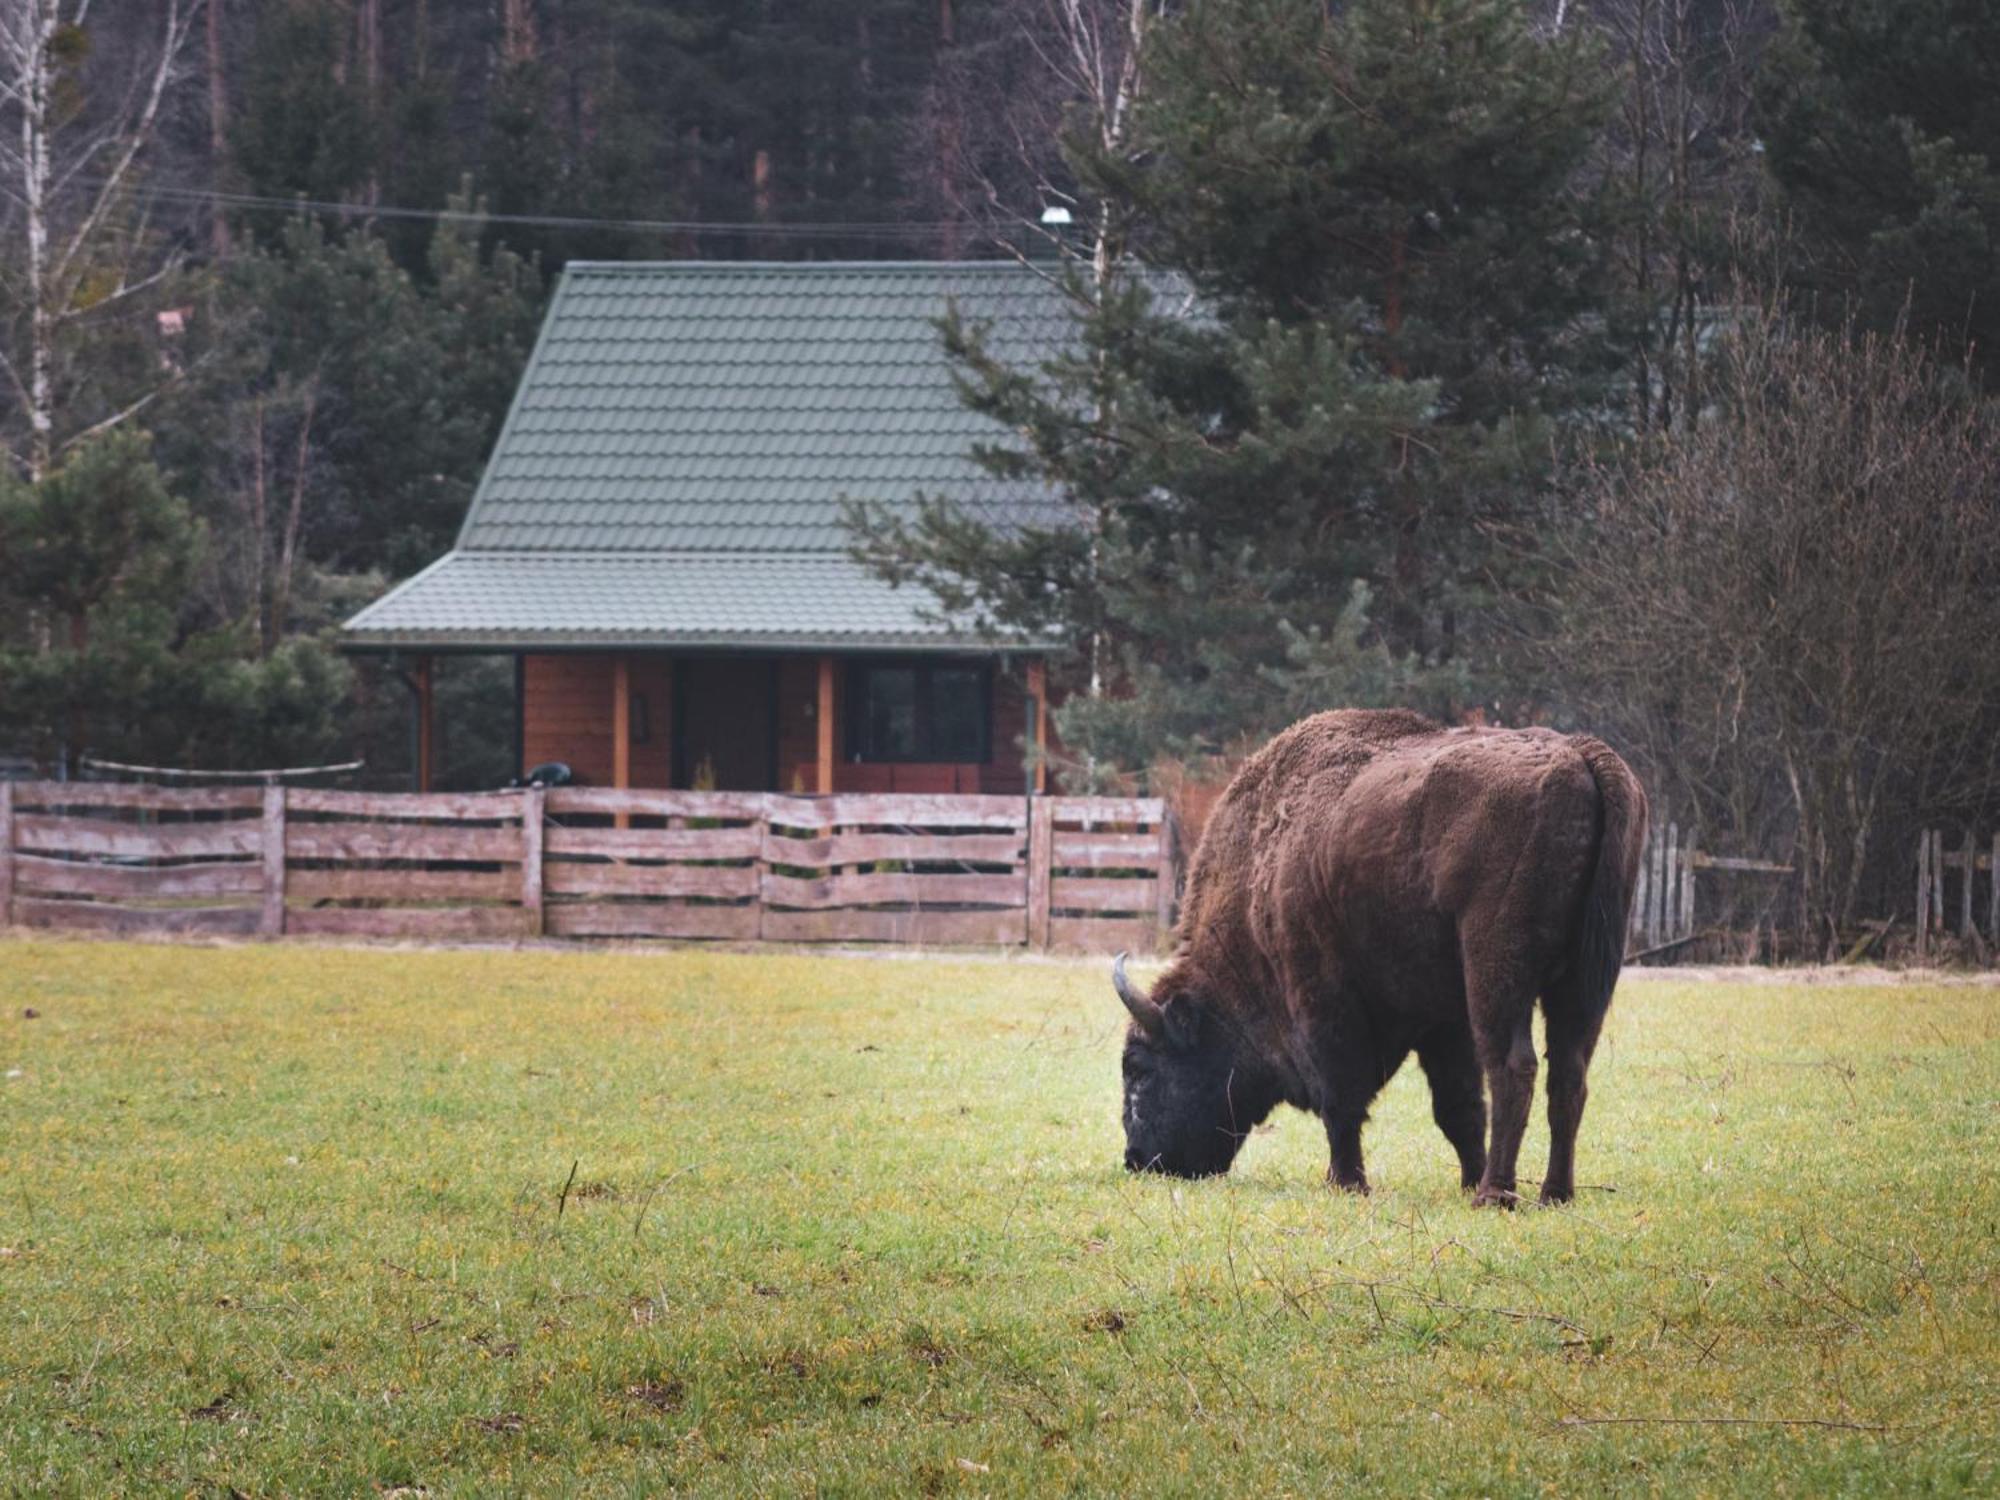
(293,1220)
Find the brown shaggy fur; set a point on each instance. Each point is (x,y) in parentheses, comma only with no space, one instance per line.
(1373,884)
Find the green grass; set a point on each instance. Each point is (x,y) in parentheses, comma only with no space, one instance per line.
(286,1221)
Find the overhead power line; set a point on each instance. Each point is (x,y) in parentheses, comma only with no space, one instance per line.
(788,229)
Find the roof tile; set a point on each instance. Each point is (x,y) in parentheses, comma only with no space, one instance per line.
(658,390)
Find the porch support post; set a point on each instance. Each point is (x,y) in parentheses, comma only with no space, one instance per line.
(1038,690)
(621,728)
(826,726)
(426,728)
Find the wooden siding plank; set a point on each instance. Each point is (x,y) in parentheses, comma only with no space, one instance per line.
(621,919)
(1074,893)
(429,923)
(137,796)
(1106,851)
(654,843)
(1112,810)
(925,927)
(722,882)
(655,802)
(410,841)
(1103,935)
(402,886)
(51,833)
(492,807)
(914,848)
(896,810)
(872,889)
(97,916)
(72,877)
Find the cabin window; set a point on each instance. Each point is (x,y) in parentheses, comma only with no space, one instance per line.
(919,711)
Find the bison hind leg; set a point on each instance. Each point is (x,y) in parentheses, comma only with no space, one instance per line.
(1502,1010)
(1458,1098)
(1573,1025)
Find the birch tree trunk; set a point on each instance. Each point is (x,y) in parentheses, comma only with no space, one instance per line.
(70,170)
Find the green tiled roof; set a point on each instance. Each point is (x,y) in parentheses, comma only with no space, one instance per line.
(540,601)
(675,411)
(700,406)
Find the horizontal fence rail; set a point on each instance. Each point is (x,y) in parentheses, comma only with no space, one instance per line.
(1664,909)
(1088,874)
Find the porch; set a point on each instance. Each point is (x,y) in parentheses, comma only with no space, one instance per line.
(862,722)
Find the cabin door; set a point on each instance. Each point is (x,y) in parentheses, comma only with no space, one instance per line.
(726,723)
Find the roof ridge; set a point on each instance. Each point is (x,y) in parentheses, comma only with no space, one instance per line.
(761,554)
(844,267)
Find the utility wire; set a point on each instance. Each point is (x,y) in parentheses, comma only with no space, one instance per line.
(794,229)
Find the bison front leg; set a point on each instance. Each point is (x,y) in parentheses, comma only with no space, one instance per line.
(1354,1072)
(1343,1136)
(1458,1099)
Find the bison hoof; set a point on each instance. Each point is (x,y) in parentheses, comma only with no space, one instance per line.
(1350,1185)
(1556,1197)
(1495,1197)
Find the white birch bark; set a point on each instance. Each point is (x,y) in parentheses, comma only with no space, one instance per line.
(70,178)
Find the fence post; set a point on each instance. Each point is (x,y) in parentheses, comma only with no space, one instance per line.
(1656,891)
(1041,847)
(533,806)
(1168,879)
(1993,894)
(1670,920)
(1965,927)
(762,864)
(1642,900)
(1923,890)
(272,922)
(1688,860)
(1937,879)
(7,853)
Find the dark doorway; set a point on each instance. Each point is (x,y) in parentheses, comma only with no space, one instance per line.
(726,723)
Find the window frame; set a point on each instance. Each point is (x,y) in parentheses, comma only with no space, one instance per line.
(855,703)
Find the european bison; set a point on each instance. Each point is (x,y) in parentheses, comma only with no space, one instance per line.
(1373,884)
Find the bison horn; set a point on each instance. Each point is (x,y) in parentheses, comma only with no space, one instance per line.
(1144,1010)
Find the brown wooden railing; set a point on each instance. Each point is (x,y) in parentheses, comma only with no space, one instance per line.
(1088,874)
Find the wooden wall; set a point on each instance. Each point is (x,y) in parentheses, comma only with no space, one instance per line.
(566,716)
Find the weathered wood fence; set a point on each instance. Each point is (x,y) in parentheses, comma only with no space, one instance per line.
(1089,874)
(1969,859)
(1664,903)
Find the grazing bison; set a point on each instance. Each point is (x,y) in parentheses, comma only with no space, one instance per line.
(1373,884)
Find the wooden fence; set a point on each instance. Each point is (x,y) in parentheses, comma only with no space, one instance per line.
(1969,859)
(1664,903)
(1088,874)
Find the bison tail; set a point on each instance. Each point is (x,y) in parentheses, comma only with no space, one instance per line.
(1600,949)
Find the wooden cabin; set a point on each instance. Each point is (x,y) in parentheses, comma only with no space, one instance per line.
(657,538)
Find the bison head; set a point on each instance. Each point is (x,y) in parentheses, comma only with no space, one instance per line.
(1192,1095)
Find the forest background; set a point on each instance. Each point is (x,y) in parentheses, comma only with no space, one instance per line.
(1618,363)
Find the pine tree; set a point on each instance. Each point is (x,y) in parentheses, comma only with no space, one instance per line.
(1284,449)
(1881,122)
